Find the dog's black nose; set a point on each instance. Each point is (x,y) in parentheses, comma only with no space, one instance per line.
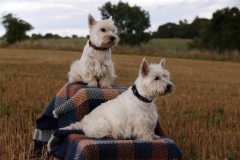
(169,86)
(112,38)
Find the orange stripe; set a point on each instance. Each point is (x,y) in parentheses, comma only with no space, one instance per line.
(89,149)
(110,93)
(63,91)
(79,97)
(72,89)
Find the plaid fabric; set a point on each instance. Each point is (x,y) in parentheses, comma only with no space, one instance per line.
(77,146)
(71,104)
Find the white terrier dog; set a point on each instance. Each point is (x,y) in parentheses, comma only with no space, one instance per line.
(95,67)
(132,114)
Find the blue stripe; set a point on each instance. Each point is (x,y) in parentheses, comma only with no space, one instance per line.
(47,122)
(172,148)
(67,118)
(71,150)
(94,93)
(107,149)
(143,150)
(48,111)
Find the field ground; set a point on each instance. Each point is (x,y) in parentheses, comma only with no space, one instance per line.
(202,115)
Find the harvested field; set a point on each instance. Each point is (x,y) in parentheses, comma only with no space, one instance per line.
(202,115)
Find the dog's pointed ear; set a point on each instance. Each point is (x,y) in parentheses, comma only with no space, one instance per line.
(162,63)
(144,68)
(91,20)
(110,20)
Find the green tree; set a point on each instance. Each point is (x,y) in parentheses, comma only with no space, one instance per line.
(167,30)
(196,26)
(56,36)
(130,21)
(15,28)
(223,31)
(34,37)
(183,29)
(74,36)
(48,35)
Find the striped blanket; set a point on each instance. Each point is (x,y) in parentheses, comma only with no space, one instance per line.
(71,104)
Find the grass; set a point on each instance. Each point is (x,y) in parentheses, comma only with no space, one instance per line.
(169,44)
(78,44)
(202,116)
(177,48)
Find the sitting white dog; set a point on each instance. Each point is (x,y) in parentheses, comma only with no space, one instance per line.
(132,114)
(95,67)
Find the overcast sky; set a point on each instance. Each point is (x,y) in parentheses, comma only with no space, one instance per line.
(68,17)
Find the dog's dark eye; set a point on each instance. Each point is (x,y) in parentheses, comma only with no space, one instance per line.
(156,78)
(103,30)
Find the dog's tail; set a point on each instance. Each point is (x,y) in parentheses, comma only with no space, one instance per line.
(74,126)
(77,126)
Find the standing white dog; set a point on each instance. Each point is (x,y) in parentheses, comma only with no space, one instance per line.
(132,114)
(95,67)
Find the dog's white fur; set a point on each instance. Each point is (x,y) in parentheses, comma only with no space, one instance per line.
(127,116)
(96,66)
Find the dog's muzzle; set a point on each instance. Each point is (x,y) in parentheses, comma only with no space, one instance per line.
(169,88)
(112,38)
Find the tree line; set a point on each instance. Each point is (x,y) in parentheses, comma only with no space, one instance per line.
(181,30)
(16,29)
(52,36)
(222,32)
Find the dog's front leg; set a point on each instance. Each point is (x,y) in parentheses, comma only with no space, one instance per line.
(108,74)
(89,73)
(105,82)
(93,82)
(144,136)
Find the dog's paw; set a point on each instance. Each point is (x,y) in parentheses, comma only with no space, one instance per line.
(156,137)
(103,84)
(109,136)
(93,84)
(144,138)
